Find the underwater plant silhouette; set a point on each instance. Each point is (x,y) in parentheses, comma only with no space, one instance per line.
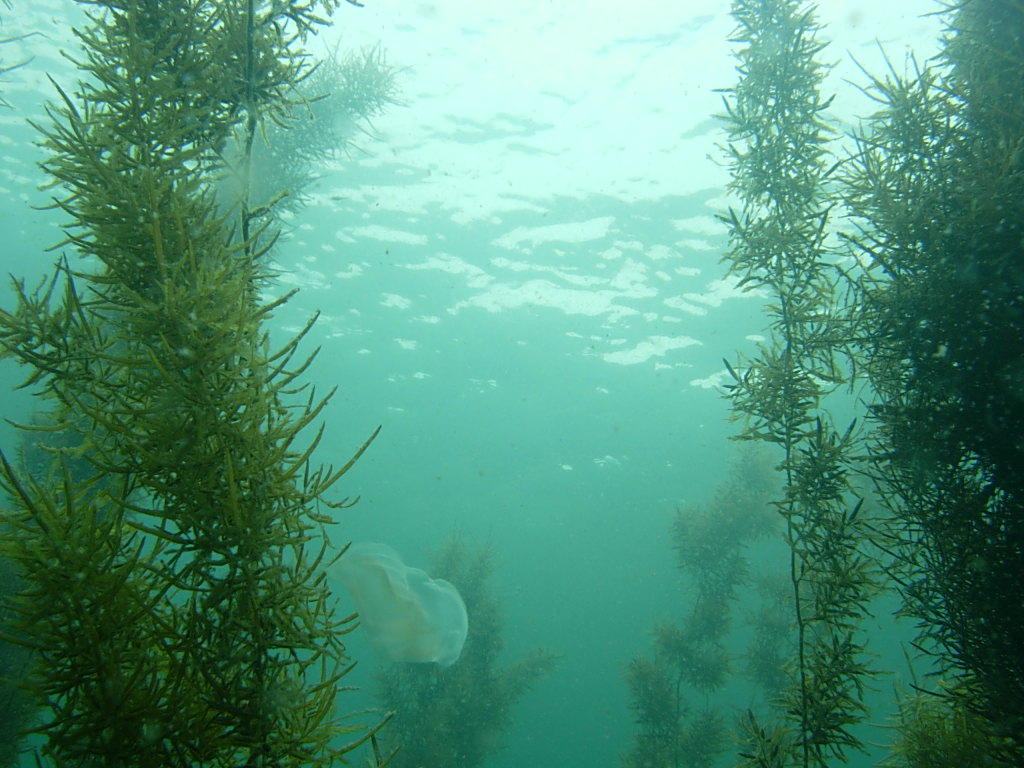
(171,544)
(455,717)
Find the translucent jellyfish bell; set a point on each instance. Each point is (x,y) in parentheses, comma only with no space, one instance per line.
(407,615)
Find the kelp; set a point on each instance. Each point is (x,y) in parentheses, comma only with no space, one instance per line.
(174,549)
(925,320)
(935,184)
(455,717)
(778,151)
(678,693)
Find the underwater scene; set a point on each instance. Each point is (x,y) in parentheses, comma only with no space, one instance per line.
(442,385)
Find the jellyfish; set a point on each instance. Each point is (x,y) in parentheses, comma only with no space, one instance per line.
(406,615)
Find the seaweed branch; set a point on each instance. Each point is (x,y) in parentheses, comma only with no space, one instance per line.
(778,152)
(168,532)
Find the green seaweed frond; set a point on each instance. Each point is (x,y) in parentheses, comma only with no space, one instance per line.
(170,530)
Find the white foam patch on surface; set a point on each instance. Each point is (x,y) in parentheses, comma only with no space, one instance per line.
(656,346)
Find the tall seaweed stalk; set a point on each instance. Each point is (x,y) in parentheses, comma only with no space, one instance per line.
(781,168)
(175,593)
(456,717)
(678,692)
(937,185)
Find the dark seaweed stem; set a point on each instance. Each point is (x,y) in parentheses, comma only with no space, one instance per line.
(251,564)
(251,118)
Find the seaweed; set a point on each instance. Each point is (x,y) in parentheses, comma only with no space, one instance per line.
(782,172)
(455,717)
(678,694)
(173,547)
(917,308)
(935,184)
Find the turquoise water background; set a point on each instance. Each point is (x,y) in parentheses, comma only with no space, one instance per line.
(518,277)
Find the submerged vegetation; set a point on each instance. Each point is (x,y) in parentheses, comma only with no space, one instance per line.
(337,98)
(456,717)
(891,268)
(170,535)
(936,186)
(677,696)
(162,539)
(941,731)
(778,146)
(16,709)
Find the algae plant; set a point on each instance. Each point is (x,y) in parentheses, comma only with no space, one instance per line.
(679,694)
(778,148)
(456,717)
(173,549)
(893,271)
(165,528)
(936,189)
